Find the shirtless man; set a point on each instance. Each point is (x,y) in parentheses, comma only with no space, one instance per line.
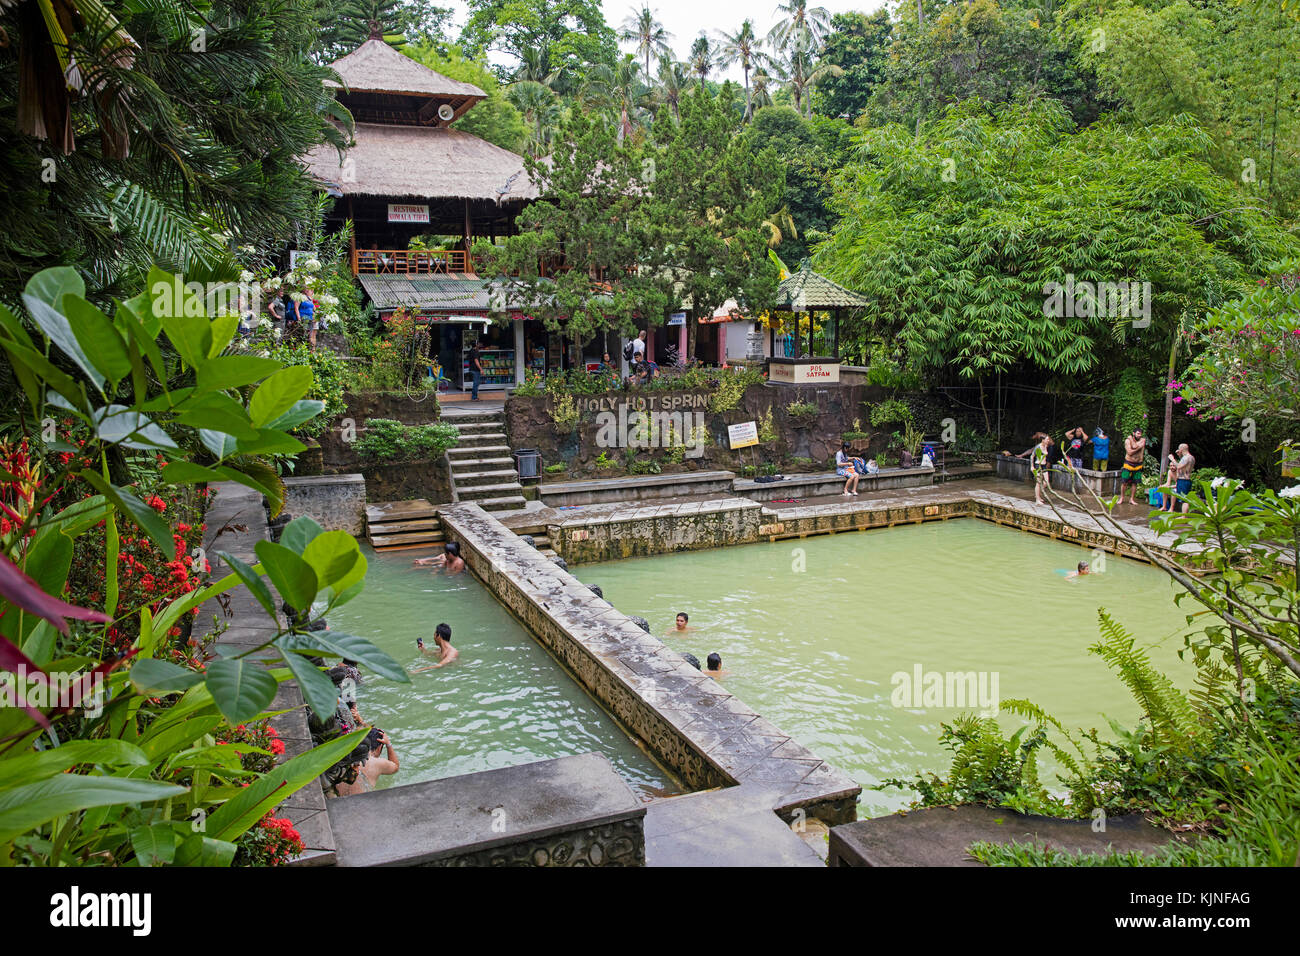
(442,642)
(1135,450)
(681,626)
(714,666)
(375,766)
(450,560)
(1181,466)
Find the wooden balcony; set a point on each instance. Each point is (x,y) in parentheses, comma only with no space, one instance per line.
(411,262)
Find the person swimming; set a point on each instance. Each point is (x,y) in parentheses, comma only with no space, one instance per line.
(442,642)
(681,625)
(714,668)
(1082,569)
(450,559)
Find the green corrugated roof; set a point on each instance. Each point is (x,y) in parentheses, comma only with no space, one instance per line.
(443,293)
(805,289)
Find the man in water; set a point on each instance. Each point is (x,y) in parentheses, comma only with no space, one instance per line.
(1135,450)
(714,668)
(442,644)
(1081,570)
(681,626)
(1181,466)
(374,766)
(450,560)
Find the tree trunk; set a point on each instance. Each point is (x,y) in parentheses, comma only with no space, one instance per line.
(749,103)
(1167,434)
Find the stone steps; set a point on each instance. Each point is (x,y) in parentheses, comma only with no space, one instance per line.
(403,524)
(477,492)
(461,452)
(481,439)
(469,479)
(507,503)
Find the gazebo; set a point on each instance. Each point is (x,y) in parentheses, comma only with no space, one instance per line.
(807,291)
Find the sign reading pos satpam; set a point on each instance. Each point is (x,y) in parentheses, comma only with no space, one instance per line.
(742,435)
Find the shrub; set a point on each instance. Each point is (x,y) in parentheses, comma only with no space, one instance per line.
(890,410)
(386,440)
(564,412)
(556,468)
(766,428)
(802,410)
(731,389)
(604,461)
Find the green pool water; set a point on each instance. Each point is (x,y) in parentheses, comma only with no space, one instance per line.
(816,650)
(503,703)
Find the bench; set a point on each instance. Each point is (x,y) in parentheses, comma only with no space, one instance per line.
(829,483)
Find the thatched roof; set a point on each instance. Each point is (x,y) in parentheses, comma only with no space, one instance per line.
(805,289)
(375,67)
(423,162)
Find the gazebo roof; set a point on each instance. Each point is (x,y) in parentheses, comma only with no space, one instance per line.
(375,67)
(805,290)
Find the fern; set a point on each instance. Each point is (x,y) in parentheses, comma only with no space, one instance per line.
(1174,720)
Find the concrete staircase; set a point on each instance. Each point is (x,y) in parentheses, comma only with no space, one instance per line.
(482,470)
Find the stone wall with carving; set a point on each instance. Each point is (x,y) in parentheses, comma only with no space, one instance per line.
(616,844)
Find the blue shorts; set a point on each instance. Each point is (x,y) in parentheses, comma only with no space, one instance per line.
(1183,486)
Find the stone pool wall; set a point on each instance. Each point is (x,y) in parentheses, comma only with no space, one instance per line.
(335,502)
(704,735)
(657,529)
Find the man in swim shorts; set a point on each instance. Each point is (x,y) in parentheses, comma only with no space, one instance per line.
(1135,449)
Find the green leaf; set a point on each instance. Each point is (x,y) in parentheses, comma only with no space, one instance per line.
(24,808)
(359,649)
(99,339)
(241,688)
(301,411)
(119,425)
(271,442)
(223,328)
(278,393)
(188,473)
(154,845)
(292,576)
(200,850)
(30,767)
(299,533)
(57,329)
(234,817)
(51,285)
(336,559)
(144,517)
(233,371)
(252,579)
(317,687)
(155,678)
(219,443)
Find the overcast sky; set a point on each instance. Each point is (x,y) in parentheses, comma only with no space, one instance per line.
(684,19)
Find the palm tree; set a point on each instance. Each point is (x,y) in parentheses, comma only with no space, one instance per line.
(800,72)
(780,226)
(540,109)
(672,83)
(647,33)
(701,58)
(762,95)
(801,25)
(535,66)
(617,89)
(743,47)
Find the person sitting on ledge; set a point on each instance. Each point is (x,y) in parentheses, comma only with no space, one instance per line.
(442,643)
(847,468)
(714,668)
(374,765)
(450,559)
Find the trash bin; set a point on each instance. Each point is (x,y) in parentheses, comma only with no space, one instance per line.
(527,462)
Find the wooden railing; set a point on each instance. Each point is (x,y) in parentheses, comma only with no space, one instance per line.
(411,262)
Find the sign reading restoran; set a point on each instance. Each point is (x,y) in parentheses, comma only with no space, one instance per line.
(742,435)
(399,212)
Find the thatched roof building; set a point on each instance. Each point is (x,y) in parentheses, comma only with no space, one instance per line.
(408,172)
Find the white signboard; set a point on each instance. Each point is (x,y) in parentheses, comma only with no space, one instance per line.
(677,318)
(399,212)
(804,373)
(742,435)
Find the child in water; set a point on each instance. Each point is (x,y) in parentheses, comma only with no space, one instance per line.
(1080,571)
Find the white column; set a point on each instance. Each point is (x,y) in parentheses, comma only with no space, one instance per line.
(519,351)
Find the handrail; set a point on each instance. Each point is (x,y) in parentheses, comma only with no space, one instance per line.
(412,262)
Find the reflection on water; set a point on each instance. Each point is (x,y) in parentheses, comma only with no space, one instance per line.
(816,651)
(504,702)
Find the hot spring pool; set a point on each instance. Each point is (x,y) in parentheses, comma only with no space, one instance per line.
(504,702)
(815,651)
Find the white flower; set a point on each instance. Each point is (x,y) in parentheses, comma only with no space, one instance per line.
(246,276)
(312,265)
(263,353)
(298,296)
(329,300)
(1219,482)
(1292,492)
(265,323)
(290,278)
(276,333)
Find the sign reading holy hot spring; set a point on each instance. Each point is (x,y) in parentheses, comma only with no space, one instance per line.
(651,421)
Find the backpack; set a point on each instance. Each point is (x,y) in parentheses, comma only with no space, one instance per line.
(628,352)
